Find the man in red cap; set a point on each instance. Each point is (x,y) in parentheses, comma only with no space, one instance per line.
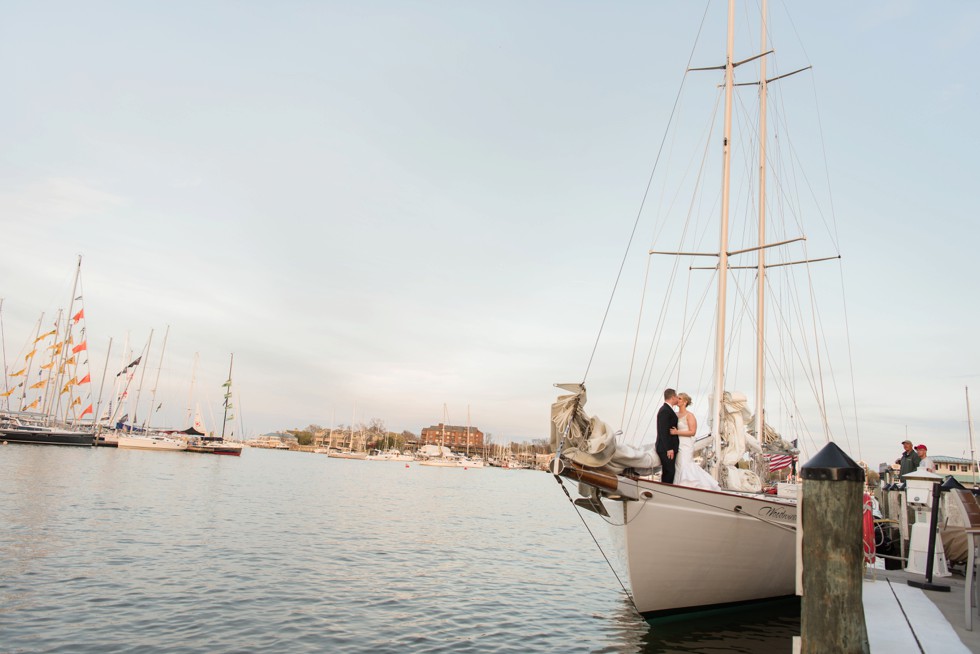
(925,463)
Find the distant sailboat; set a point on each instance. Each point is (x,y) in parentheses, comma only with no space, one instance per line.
(210,444)
(55,414)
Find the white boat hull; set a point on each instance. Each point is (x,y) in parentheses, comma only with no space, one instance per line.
(441,463)
(142,443)
(689,549)
(348,455)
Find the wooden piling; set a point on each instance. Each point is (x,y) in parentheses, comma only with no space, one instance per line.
(833,560)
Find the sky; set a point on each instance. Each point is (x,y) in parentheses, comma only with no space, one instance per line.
(394,209)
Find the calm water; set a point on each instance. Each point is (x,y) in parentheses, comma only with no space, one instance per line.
(105,550)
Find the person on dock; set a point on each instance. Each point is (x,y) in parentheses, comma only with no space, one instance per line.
(925,463)
(909,460)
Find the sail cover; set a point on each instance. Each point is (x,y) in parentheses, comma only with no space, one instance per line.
(589,441)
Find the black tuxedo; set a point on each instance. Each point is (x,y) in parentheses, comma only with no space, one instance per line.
(666,418)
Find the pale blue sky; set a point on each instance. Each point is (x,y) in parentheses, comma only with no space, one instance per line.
(405,204)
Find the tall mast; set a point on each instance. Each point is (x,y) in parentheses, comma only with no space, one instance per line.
(156,382)
(97,418)
(3,345)
(227,385)
(760,314)
(467,431)
(55,405)
(139,389)
(969,421)
(723,247)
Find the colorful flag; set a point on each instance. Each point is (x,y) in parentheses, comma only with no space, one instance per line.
(47,365)
(77,401)
(78,316)
(7,394)
(40,384)
(19,372)
(86,379)
(88,409)
(132,365)
(30,354)
(780,461)
(32,404)
(78,348)
(43,336)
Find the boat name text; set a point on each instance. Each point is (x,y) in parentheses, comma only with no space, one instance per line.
(778,513)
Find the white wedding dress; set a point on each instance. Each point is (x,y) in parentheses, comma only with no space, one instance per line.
(688,472)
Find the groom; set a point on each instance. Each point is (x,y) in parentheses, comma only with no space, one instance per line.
(667,443)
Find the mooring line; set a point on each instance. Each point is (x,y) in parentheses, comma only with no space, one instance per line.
(596,541)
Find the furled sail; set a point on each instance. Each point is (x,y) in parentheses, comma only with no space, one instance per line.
(589,441)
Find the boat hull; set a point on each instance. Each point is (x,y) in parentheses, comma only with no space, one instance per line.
(348,455)
(689,549)
(47,437)
(160,444)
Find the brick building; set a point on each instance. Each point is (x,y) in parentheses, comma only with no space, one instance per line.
(452,436)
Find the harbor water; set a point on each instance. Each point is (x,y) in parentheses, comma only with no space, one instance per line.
(105,550)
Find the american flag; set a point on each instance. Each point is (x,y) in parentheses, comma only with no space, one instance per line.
(779,461)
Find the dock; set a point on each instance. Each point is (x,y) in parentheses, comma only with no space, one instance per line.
(901,618)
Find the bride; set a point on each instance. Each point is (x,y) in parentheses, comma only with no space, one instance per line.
(689,473)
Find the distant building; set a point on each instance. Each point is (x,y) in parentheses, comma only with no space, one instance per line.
(963,470)
(960,469)
(452,436)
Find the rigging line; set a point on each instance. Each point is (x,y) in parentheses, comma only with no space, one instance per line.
(658,332)
(596,541)
(3,344)
(646,193)
(850,360)
(636,342)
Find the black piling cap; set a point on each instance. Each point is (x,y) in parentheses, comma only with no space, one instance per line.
(951,484)
(832,464)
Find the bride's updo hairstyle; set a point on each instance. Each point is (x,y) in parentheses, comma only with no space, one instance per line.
(686,398)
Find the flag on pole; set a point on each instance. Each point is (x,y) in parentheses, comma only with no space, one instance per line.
(30,354)
(32,404)
(132,365)
(87,410)
(40,384)
(19,372)
(86,379)
(7,394)
(78,348)
(78,316)
(43,336)
(779,461)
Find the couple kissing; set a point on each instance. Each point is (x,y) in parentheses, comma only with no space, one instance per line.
(675,443)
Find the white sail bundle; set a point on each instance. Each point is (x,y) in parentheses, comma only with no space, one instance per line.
(591,442)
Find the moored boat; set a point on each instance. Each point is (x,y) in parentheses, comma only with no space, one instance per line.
(15,430)
(151,441)
(701,546)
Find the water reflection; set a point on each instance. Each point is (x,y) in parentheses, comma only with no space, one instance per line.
(760,629)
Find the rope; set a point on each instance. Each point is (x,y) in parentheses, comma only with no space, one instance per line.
(646,193)
(596,541)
